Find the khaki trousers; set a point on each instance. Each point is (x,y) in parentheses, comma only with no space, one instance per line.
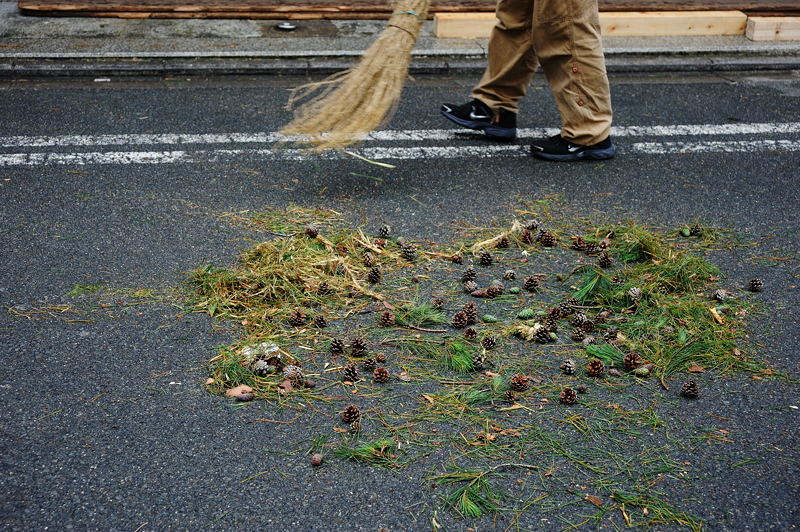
(564,37)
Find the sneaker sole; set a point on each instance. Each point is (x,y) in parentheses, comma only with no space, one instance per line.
(503,133)
(588,155)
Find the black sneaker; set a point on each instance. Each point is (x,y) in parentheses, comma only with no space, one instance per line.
(477,115)
(556,148)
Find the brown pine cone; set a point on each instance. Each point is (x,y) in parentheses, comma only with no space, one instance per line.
(350,414)
(526,237)
(374,275)
(370,364)
(485,258)
(632,361)
(503,242)
(489,342)
(456,258)
(469,274)
(387,318)
(358,347)
(470,334)
(350,373)
(369,259)
(460,320)
(380,357)
(568,396)
(605,260)
(298,318)
(437,303)
(595,368)
(519,383)
(690,389)
(312,231)
(320,322)
(471,311)
(380,375)
(337,346)
(531,283)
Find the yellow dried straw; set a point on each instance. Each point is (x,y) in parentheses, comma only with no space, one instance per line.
(354,102)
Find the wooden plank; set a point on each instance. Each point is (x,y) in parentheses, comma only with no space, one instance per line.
(773,28)
(614,24)
(672,23)
(379,6)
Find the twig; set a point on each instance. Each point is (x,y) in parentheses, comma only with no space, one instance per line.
(281,234)
(423,329)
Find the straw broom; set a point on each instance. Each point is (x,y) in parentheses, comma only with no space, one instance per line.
(350,104)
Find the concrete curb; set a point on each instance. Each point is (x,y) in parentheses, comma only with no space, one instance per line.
(307,64)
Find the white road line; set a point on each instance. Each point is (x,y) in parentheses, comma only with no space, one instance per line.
(767,128)
(377,153)
(716,146)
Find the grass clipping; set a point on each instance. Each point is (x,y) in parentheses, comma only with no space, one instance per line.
(350,104)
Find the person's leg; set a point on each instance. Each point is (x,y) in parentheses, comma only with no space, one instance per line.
(507,76)
(512,61)
(566,36)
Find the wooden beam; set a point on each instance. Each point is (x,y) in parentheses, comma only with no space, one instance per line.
(612,24)
(773,28)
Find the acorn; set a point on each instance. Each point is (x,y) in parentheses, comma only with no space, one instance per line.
(316,459)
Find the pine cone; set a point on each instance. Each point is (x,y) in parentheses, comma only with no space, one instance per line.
(695,230)
(469,274)
(526,237)
(356,427)
(550,325)
(494,290)
(324,289)
(337,346)
(380,375)
(568,396)
(605,260)
(437,303)
(485,258)
(408,252)
(635,293)
(509,275)
(470,333)
(548,239)
(595,368)
(380,357)
(320,322)
(690,389)
(568,306)
(456,258)
(591,248)
(632,361)
(755,285)
(479,361)
(519,383)
(568,367)
(578,319)
(298,318)
(542,336)
(510,396)
(489,342)
(503,242)
(358,347)
(370,364)
(587,326)
(350,414)
(384,231)
(720,295)
(380,243)
(387,318)
(577,334)
(369,259)
(460,320)
(611,334)
(312,231)
(532,224)
(350,373)
(293,374)
(582,388)
(531,283)
(578,243)
(471,311)
(470,286)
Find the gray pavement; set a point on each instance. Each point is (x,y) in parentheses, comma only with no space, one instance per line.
(32,46)
(105,424)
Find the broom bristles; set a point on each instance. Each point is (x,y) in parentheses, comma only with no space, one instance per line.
(348,105)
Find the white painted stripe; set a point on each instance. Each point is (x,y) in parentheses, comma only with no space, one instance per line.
(377,153)
(716,146)
(769,128)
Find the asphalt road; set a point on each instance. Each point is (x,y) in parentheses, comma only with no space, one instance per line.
(105,424)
